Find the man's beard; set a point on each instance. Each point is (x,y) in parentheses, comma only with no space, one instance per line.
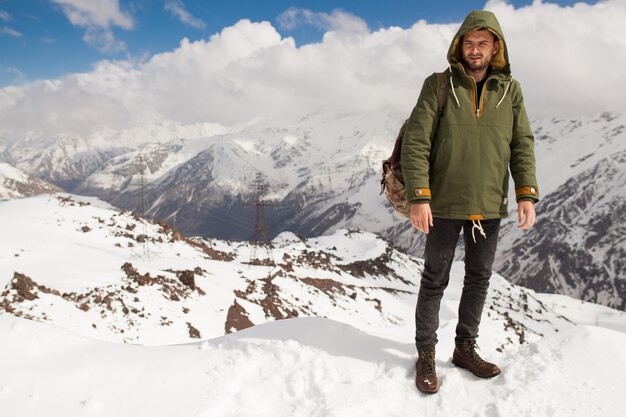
(477,66)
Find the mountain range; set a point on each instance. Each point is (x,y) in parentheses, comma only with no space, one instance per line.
(321,173)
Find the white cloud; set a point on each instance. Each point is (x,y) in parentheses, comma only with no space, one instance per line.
(568,60)
(10,32)
(4,15)
(179,11)
(337,20)
(98,17)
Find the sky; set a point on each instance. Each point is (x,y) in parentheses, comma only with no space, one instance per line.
(42,39)
(76,66)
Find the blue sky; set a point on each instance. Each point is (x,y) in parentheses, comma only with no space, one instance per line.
(38,40)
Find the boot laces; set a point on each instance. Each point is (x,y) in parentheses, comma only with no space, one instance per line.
(470,349)
(428,363)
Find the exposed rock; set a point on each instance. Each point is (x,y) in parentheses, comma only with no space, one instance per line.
(24,286)
(236,319)
(193,332)
(188,278)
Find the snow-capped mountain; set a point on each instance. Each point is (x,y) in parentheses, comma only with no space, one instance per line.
(68,160)
(322,174)
(15,183)
(97,275)
(578,246)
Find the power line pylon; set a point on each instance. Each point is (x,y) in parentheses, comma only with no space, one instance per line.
(260,236)
(142,186)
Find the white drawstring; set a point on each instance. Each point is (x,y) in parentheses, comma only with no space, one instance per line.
(480,229)
(452,86)
(505,90)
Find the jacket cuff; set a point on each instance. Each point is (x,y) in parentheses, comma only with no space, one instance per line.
(527,192)
(420,195)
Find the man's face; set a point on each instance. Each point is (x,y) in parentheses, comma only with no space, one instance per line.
(478,49)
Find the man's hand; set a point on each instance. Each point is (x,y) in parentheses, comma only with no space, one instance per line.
(525,214)
(421,217)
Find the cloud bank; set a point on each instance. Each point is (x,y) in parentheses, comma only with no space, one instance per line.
(568,59)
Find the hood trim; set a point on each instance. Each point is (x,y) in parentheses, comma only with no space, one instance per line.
(480,19)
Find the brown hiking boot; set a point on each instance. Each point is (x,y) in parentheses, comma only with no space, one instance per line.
(465,356)
(426,376)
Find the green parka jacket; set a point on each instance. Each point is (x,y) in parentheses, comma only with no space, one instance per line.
(462,168)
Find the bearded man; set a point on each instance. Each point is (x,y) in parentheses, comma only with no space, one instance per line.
(456,171)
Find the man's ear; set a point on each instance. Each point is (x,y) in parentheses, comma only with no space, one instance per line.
(496,47)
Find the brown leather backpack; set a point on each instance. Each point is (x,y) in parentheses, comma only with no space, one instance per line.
(392,182)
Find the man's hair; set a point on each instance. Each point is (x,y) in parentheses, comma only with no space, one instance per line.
(495,37)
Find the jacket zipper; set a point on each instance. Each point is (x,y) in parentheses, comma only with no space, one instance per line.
(478,108)
(474,93)
(481,109)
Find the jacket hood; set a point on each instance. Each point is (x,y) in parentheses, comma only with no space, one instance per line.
(480,19)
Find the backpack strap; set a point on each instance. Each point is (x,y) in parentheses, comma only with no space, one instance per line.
(442,90)
(442,96)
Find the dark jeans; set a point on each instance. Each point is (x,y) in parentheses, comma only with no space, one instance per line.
(439,254)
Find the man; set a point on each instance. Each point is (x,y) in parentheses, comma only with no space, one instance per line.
(455,167)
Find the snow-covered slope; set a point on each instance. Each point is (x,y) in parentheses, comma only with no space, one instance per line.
(113,276)
(299,367)
(15,183)
(88,274)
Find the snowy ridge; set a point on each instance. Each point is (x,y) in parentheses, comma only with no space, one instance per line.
(110,275)
(299,367)
(15,183)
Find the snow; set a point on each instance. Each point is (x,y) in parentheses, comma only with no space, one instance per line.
(353,354)
(285,239)
(7,171)
(248,146)
(583,312)
(15,183)
(298,367)
(59,236)
(290,140)
(350,250)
